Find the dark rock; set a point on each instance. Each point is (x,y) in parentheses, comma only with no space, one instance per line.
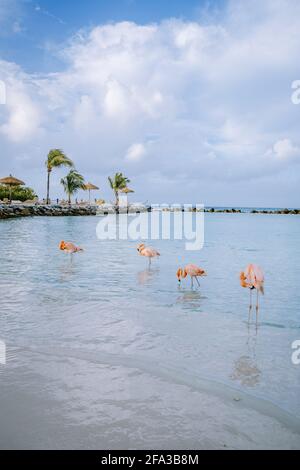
(49,211)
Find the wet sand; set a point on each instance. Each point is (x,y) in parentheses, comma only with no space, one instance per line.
(132,397)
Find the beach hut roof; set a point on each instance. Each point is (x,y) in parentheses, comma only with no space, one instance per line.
(11,181)
(90,187)
(127,190)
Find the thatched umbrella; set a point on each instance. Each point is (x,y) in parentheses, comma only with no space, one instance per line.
(127,190)
(90,187)
(11,182)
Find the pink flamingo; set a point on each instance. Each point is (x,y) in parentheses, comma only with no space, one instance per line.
(253,278)
(69,247)
(148,252)
(191,270)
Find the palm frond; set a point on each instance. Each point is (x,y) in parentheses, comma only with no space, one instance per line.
(73,182)
(57,158)
(118,182)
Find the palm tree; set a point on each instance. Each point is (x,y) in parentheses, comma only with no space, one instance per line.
(72,183)
(56,159)
(117,183)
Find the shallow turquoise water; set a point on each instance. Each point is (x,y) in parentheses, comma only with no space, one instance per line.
(62,318)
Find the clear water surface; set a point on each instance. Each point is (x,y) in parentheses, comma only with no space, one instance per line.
(98,339)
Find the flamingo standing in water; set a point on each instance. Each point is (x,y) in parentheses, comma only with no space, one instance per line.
(253,278)
(69,247)
(148,252)
(191,270)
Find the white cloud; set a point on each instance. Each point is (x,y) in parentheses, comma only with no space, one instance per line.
(22,117)
(285,151)
(116,101)
(218,95)
(136,152)
(84,113)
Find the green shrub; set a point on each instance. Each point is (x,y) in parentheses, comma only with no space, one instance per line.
(19,193)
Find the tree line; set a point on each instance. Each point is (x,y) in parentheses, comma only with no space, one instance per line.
(74,181)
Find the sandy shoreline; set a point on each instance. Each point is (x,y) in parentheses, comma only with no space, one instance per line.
(221,417)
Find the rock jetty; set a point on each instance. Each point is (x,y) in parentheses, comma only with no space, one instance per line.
(25,210)
(20,210)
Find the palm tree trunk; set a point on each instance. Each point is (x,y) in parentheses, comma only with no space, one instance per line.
(117,200)
(48,188)
(70,199)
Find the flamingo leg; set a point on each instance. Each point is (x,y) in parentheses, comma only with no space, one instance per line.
(197,281)
(192,278)
(250,305)
(257,306)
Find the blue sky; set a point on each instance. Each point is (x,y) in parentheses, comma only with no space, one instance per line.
(45,23)
(191,99)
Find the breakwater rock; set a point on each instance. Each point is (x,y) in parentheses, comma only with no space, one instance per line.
(277,211)
(20,210)
(25,210)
